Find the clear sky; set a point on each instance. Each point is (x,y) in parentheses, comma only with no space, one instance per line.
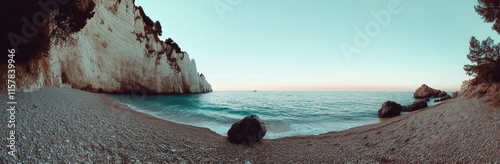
(297,44)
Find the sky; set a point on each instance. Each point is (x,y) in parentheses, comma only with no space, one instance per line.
(324,45)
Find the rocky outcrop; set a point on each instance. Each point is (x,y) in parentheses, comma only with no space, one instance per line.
(389,109)
(454,94)
(489,90)
(425,91)
(248,130)
(483,89)
(117,51)
(418,104)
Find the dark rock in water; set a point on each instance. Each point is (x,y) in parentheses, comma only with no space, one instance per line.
(389,109)
(418,104)
(248,130)
(406,108)
(436,93)
(425,91)
(454,94)
(442,98)
(441,94)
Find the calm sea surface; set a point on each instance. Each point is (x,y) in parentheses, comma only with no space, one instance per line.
(285,113)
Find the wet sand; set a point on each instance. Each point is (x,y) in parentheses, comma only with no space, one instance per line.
(58,125)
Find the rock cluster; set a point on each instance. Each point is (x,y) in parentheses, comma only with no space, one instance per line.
(422,94)
(425,91)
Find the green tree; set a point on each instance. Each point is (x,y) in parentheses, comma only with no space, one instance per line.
(31,25)
(484,56)
(490,11)
(72,18)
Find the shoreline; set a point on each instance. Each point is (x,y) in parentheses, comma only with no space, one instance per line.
(364,128)
(95,127)
(116,98)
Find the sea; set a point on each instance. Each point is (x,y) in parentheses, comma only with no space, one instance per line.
(285,113)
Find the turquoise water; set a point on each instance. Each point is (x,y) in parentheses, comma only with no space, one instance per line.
(285,113)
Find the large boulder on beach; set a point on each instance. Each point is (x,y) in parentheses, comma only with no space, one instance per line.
(389,109)
(454,94)
(425,91)
(248,130)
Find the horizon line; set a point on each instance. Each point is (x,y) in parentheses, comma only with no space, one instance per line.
(340,90)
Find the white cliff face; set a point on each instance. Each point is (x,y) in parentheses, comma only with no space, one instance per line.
(114,53)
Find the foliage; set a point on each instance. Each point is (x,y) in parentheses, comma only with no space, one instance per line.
(490,11)
(147,19)
(169,41)
(157,28)
(485,57)
(174,45)
(72,18)
(24,23)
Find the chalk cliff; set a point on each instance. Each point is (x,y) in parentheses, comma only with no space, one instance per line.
(115,52)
